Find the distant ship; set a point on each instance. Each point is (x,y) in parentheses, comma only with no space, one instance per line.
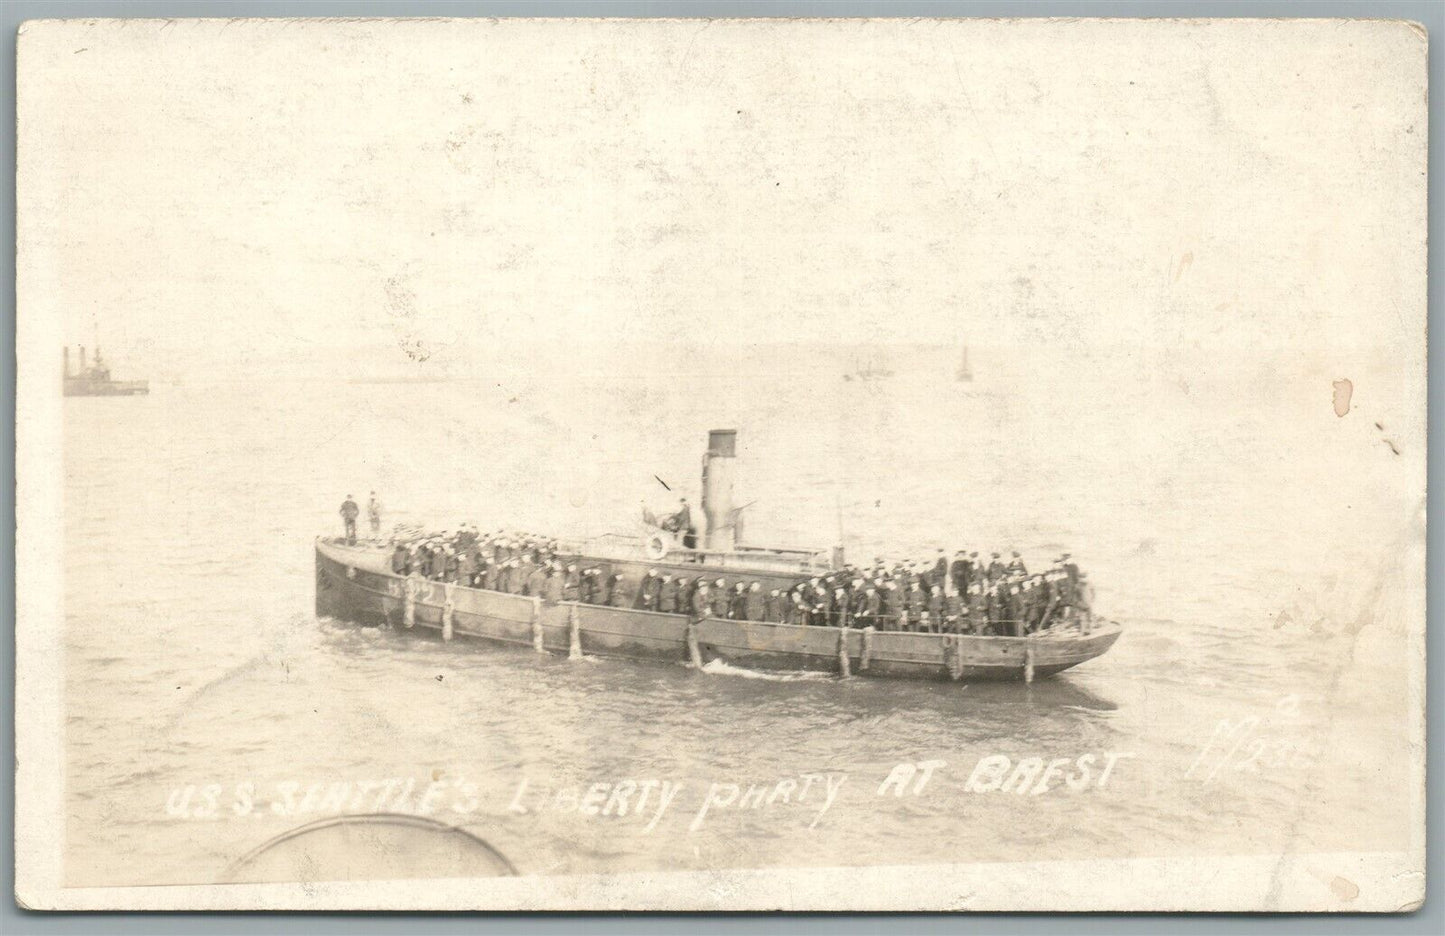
(95,380)
(869,371)
(964,374)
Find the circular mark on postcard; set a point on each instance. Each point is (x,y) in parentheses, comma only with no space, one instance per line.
(379,846)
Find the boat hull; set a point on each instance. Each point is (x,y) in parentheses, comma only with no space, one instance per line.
(354,584)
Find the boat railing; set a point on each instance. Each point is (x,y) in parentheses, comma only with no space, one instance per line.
(619,546)
(1062,626)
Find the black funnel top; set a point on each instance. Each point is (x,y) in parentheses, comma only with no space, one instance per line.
(722,442)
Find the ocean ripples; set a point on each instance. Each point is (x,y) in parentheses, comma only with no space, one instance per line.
(193,657)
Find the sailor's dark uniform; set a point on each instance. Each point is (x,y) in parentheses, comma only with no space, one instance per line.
(935,611)
(977,613)
(721,602)
(961,570)
(914,603)
(870,606)
(753,605)
(1013,608)
(466,568)
(670,598)
(701,603)
(647,594)
(952,613)
(349,512)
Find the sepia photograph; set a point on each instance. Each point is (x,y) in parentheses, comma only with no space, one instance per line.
(755,464)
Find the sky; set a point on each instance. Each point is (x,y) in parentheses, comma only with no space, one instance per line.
(243,197)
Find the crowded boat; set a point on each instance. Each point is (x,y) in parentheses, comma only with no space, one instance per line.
(962,595)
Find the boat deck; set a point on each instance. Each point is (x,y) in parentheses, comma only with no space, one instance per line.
(356,584)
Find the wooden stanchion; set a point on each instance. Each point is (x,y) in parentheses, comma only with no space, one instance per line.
(694,650)
(537,626)
(953,655)
(867,656)
(1029,665)
(574,634)
(408,613)
(845,665)
(448,609)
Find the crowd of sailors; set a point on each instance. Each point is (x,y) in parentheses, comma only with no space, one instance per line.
(966,595)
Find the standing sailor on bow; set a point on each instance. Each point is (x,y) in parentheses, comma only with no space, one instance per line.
(349,513)
(373,514)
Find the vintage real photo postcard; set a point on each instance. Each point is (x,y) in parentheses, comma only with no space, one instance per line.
(708,464)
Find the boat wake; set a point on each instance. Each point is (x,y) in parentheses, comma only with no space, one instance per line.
(720,668)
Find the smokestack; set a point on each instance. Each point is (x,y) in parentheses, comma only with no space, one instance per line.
(82,359)
(66,349)
(717,488)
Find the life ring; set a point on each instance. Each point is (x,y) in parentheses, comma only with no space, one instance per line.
(656,546)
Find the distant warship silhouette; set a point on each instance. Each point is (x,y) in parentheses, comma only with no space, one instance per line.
(95,380)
